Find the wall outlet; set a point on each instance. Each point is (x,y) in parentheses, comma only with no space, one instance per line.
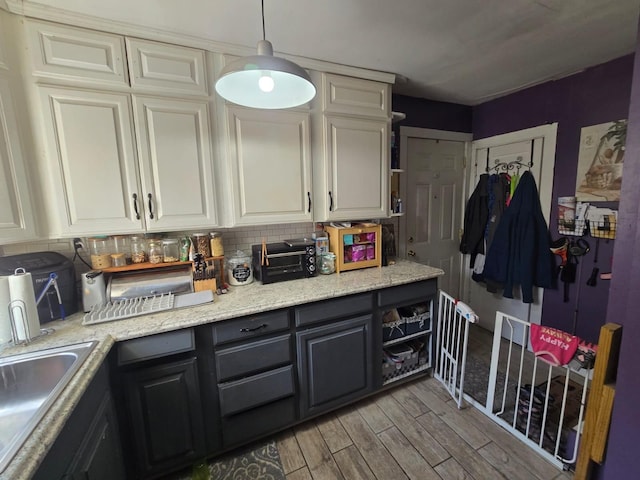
(78,244)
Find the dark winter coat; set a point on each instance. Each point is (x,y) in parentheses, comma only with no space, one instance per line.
(476,214)
(519,253)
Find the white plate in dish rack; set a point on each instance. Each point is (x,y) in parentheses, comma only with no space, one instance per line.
(134,307)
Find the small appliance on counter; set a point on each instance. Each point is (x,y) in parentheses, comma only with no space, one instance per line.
(41,265)
(94,290)
(287,260)
(145,283)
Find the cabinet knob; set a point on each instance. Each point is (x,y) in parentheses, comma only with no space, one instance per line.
(411,253)
(410,240)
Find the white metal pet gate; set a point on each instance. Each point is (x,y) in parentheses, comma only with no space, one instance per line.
(541,404)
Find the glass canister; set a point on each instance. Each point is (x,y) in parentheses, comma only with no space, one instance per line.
(201,243)
(239,269)
(122,245)
(217,248)
(327,263)
(170,250)
(138,250)
(100,250)
(155,252)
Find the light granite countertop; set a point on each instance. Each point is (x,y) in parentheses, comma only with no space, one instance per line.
(239,301)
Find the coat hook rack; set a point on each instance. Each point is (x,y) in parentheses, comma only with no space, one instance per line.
(509,166)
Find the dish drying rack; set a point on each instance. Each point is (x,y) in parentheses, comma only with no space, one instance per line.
(133,307)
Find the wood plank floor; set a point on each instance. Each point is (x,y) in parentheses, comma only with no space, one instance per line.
(413,431)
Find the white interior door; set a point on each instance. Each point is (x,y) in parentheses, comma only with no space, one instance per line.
(498,154)
(435,178)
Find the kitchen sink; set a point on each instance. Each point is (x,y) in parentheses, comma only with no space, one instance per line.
(29,384)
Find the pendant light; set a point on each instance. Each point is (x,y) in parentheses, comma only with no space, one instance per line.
(265,81)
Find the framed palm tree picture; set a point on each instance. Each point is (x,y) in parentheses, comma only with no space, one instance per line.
(600,162)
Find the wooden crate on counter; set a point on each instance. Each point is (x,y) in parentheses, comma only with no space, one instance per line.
(356,247)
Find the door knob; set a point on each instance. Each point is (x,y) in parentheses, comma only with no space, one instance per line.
(411,253)
(410,240)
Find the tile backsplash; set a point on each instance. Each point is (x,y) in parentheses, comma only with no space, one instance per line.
(240,238)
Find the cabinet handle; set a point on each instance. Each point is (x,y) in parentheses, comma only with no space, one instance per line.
(135,206)
(245,330)
(150,206)
(309,197)
(330,201)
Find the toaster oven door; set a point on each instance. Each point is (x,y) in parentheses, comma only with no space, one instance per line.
(285,266)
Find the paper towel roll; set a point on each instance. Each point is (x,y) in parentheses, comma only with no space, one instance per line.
(23,305)
(5,322)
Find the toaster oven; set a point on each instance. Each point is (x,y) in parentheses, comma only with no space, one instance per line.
(287,260)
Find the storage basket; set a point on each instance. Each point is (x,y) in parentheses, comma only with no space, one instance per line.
(417,319)
(393,325)
(398,361)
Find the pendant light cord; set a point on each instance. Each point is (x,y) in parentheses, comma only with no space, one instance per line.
(264,35)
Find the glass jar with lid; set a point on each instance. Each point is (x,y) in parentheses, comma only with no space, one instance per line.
(121,245)
(217,248)
(327,263)
(201,244)
(100,251)
(155,251)
(138,250)
(170,250)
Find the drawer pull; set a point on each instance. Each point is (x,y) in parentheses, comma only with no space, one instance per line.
(244,330)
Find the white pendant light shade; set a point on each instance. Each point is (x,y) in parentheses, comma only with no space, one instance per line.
(265,81)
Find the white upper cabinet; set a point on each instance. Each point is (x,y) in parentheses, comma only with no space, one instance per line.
(351,120)
(162,67)
(92,162)
(271,165)
(353,96)
(16,213)
(174,145)
(353,173)
(76,54)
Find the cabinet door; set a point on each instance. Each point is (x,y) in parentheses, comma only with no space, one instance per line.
(271,165)
(354,177)
(355,96)
(335,364)
(100,455)
(159,66)
(174,145)
(16,215)
(60,51)
(165,413)
(92,161)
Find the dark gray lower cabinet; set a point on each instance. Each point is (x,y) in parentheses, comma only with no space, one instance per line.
(88,447)
(165,412)
(335,364)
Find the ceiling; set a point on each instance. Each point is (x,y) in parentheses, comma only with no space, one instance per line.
(463,51)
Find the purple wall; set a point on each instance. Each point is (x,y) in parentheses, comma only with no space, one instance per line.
(622,452)
(431,114)
(597,95)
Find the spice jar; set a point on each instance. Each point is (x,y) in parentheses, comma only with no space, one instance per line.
(201,243)
(215,240)
(239,269)
(170,250)
(100,250)
(118,260)
(138,250)
(327,263)
(155,252)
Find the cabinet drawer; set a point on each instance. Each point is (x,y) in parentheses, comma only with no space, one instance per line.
(414,292)
(249,425)
(336,308)
(256,390)
(248,358)
(67,52)
(249,327)
(146,348)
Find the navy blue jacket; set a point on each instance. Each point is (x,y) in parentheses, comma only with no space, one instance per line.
(519,253)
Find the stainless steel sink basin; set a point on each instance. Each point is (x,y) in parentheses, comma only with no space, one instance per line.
(29,384)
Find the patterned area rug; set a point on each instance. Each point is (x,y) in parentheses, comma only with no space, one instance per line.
(257,462)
